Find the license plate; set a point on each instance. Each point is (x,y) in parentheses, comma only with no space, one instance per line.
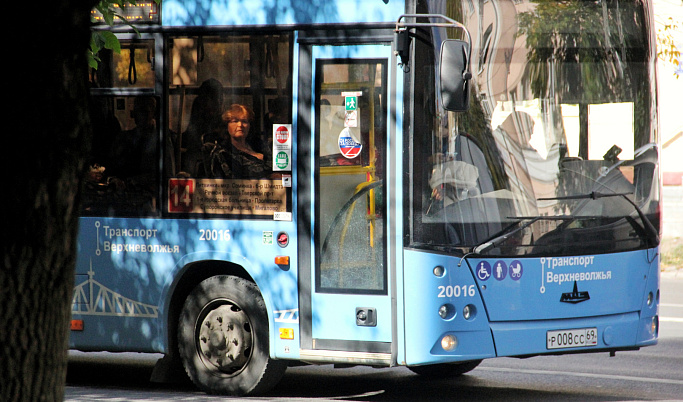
(571,338)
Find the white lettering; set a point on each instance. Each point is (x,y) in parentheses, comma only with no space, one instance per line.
(110,232)
(139,248)
(457,291)
(578,277)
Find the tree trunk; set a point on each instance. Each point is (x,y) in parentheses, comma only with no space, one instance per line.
(45,140)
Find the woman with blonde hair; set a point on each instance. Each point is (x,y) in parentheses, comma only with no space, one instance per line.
(235,153)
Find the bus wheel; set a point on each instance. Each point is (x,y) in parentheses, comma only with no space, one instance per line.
(445,370)
(223,338)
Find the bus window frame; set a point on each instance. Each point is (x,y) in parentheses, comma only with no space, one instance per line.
(221,35)
(157,92)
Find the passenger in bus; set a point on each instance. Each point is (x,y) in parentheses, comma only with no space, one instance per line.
(331,125)
(134,157)
(205,118)
(277,113)
(233,154)
(105,126)
(513,137)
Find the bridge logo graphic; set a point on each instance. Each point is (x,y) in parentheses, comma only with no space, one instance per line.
(92,298)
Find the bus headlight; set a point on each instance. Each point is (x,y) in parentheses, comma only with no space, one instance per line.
(449,343)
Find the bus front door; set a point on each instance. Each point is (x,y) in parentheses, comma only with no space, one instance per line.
(347,315)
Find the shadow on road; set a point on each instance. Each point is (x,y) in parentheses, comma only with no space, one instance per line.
(325,383)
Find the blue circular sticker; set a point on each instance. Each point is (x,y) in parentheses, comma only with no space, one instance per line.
(483,271)
(348,145)
(500,270)
(516,270)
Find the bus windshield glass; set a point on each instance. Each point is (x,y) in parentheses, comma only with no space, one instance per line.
(560,116)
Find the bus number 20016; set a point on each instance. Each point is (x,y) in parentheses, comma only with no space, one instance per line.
(211,235)
(457,291)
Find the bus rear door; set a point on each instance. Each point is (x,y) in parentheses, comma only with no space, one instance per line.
(347,315)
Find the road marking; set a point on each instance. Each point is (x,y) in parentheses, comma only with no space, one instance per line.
(587,375)
(363,395)
(670,319)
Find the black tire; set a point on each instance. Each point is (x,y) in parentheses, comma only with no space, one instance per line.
(445,370)
(223,338)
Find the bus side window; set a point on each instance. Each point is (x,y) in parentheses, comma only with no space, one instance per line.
(132,67)
(123,171)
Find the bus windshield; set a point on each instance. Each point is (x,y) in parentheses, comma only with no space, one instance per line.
(560,112)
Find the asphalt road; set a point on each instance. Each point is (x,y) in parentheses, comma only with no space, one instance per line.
(652,373)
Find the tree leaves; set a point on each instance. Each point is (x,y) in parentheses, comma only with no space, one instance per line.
(101,39)
(666,45)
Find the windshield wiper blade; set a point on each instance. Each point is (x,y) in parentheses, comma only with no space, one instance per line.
(486,246)
(593,195)
(651,234)
(506,233)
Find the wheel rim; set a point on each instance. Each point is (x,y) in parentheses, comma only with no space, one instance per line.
(224,337)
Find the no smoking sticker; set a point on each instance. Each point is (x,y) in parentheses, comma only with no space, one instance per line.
(282,147)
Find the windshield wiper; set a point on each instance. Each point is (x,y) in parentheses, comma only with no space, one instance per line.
(506,233)
(651,235)
(594,195)
(511,230)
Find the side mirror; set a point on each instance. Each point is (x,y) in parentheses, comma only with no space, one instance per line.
(454,75)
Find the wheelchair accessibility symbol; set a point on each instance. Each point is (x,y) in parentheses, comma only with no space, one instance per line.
(484,271)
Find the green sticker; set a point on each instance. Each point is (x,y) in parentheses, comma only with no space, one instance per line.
(282,160)
(351,103)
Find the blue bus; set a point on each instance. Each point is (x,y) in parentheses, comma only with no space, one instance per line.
(419,183)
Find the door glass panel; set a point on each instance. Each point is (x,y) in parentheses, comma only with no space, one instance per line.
(350,144)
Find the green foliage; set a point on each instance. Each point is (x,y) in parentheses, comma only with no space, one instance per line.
(108,9)
(101,39)
(578,49)
(666,45)
(672,253)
